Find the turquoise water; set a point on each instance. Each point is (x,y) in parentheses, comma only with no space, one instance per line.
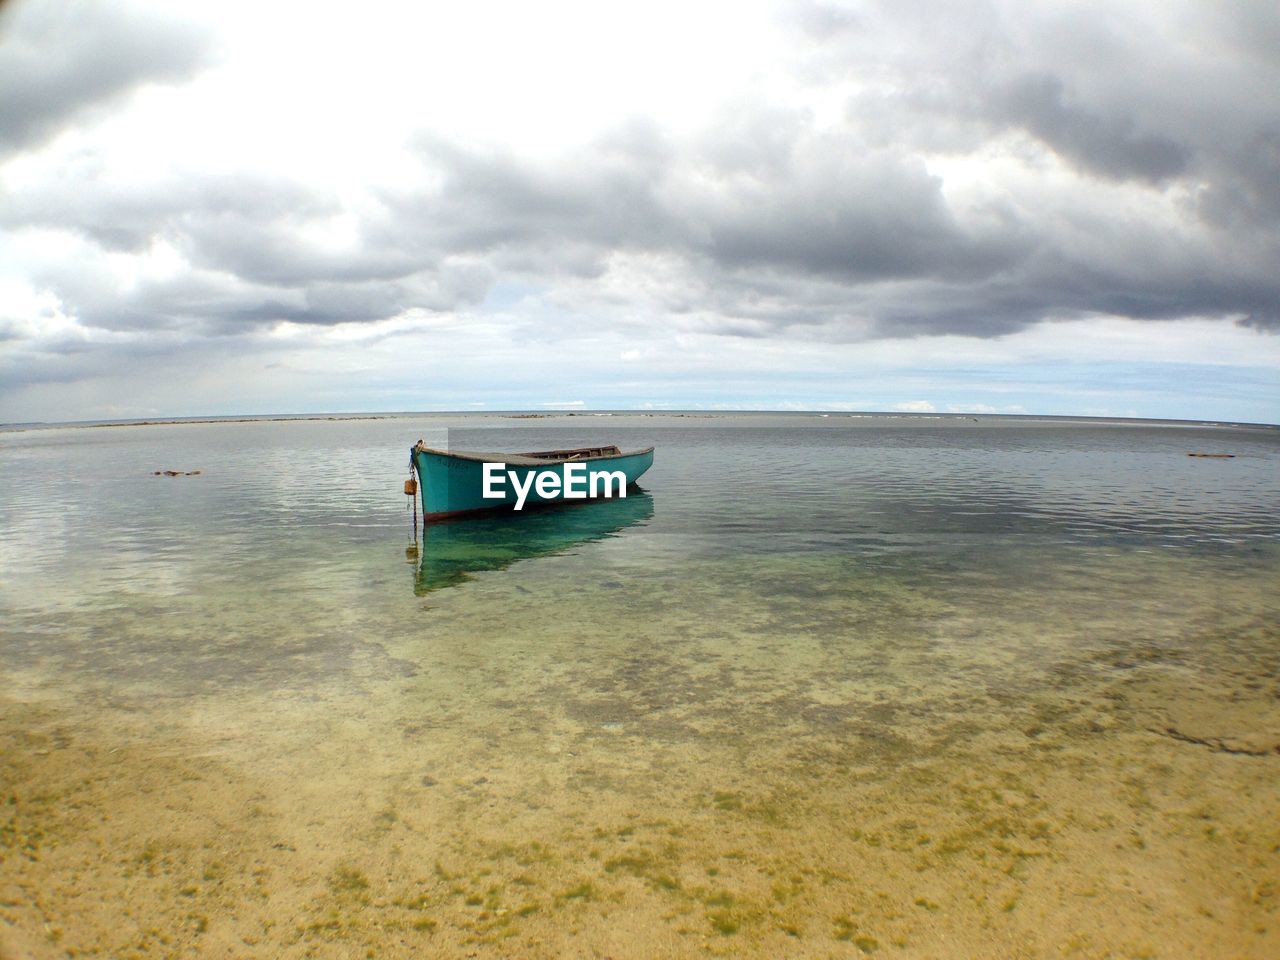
(826,686)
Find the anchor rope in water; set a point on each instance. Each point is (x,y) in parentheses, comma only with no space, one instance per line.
(411,491)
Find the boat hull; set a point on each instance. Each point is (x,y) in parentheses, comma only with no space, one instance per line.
(453,484)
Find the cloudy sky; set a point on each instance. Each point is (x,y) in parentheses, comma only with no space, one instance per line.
(1059,207)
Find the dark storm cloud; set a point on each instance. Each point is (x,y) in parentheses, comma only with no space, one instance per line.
(1244,191)
(202,210)
(214,303)
(249,240)
(842,212)
(61,60)
(564,216)
(1172,102)
(816,205)
(1111,146)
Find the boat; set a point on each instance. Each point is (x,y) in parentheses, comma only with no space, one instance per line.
(452,553)
(455,483)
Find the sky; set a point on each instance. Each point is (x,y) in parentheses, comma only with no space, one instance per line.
(1062,207)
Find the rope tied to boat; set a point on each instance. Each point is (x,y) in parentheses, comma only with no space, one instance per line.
(411,491)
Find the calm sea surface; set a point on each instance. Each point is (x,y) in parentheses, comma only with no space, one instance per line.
(827,686)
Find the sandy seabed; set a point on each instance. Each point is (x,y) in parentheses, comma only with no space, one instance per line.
(971,784)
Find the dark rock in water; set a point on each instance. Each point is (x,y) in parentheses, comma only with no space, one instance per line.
(177,473)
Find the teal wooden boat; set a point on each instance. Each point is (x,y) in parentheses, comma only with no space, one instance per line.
(454,483)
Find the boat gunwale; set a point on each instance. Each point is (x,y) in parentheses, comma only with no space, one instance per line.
(524,460)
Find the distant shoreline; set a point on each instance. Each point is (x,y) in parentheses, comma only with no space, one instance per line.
(183,421)
(587,414)
(270,418)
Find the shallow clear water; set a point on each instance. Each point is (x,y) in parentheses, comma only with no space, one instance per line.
(828,686)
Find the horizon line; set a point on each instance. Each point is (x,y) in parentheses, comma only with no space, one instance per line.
(543,413)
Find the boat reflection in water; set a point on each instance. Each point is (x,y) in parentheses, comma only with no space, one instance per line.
(452,551)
